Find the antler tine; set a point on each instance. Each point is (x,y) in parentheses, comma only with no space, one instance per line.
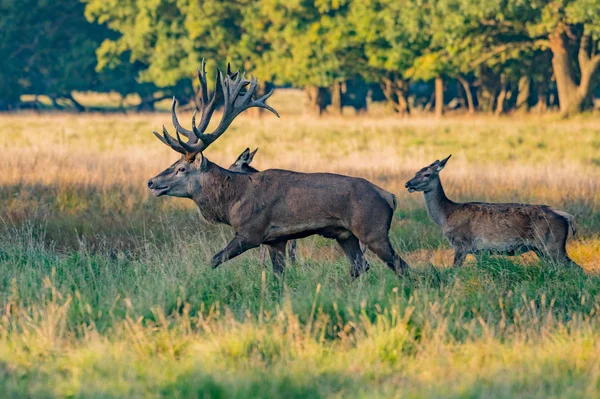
(202,81)
(232,75)
(261,103)
(188,133)
(207,107)
(236,103)
(188,148)
(170,141)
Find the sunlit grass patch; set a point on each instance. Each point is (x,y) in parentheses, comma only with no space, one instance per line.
(586,253)
(106,291)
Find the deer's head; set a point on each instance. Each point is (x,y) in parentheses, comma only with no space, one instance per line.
(242,163)
(182,179)
(426,178)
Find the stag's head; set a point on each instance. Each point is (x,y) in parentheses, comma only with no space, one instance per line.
(426,178)
(242,163)
(237,94)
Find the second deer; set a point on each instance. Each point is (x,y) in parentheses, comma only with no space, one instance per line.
(242,165)
(509,229)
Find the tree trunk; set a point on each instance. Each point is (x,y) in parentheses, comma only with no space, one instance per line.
(77,104)
(395,91)
(54,100)
(542,98)
(439,96)
(147,102)
(122,104)
(524,92)
(501,96)
(315,99)
(468,94)
(571,96)
(336,98)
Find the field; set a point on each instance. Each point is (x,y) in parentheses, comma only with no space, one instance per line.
(106,291)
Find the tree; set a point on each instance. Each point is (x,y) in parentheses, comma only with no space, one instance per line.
(48,48)
(306,44)
(569,28)
(573,30)
(391,35)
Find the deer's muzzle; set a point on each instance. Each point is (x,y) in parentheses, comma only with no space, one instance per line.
(157,190)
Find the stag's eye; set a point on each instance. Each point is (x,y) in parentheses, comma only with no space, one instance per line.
(427,175)
(181,169)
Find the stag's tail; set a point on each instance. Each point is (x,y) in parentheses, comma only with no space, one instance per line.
(569,218)
(388,197)
(391,200)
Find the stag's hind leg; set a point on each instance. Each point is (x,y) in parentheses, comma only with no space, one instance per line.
(555,255)
(460,254)
(351,247)
(291,250)
(277,252)
(383,249)
(554,249)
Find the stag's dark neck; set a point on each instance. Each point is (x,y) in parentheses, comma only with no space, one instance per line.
(220,190)
(438,205)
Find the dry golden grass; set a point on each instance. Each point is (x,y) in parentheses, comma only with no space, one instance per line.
(106,291)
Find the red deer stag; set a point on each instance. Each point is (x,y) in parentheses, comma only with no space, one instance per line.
(273,206)
(510,229)
(242,165)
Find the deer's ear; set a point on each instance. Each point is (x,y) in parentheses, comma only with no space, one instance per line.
(243,156)
(199,161)
(442,163)
(251,156)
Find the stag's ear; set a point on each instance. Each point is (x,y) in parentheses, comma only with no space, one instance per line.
(199,161)
(251,156)
(442,163)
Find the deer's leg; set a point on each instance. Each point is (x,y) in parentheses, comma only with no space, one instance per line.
(557,256)
(263,255)
(383,249)
(351,247)
(460,254)
(291,250)
(363,247)
(235,247)
(554,247)
(277,252)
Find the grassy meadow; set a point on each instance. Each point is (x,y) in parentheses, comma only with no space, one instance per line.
(106,291)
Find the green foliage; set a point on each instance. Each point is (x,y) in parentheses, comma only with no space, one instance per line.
(144,44)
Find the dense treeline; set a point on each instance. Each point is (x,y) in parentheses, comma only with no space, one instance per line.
(491,56)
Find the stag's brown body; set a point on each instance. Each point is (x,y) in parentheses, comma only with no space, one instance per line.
(242,165)
(273,206)
(476,227)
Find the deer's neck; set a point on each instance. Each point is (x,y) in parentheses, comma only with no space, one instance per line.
(218,189)
(438,205)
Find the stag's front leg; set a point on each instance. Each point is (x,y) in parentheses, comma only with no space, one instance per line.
(235,247)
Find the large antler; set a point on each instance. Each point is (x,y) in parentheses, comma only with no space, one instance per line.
(235,102)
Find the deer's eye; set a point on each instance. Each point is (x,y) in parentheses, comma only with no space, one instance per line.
(181,169)
(427,175)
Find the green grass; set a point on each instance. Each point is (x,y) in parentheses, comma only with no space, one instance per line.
(162,323)
(105,291)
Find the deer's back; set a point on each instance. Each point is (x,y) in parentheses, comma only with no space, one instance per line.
(298,204)
(502,227)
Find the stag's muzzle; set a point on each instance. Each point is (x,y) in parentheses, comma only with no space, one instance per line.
(157,190)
